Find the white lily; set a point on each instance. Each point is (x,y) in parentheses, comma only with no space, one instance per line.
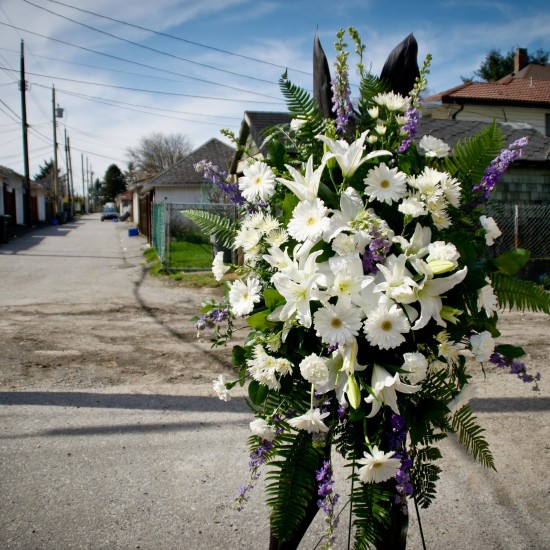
(349,156)
(398,284)
(306,186)
(384,386)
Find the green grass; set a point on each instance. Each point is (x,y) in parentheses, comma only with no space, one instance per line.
(190,255)
(194,279)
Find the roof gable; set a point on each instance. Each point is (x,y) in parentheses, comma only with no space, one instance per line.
(184,173)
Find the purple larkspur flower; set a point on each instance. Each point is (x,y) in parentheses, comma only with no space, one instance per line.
(516,367)
(410,127)
(499,165)
(376,252)
(218,177)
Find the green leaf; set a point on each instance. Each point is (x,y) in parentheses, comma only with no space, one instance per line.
(512,261)
(513,352)
(289,204)
(272,298)
(257,392)
(238,355)
(259,321)
(276,155)
(520,294)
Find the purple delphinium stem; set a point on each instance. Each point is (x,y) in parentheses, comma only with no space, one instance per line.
(413,116)
(328,500)
(341,100)
(217,177)
(397,436)
(375,253)
(516,367)
(499,165)
(212,318)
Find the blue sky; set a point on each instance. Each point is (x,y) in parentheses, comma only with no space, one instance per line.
(115,92)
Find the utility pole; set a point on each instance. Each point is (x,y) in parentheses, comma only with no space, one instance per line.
(85,196)
(71,175)
(27,209)
(55,177)
(68,164)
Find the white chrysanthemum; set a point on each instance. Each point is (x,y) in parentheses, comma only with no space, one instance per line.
(392,101)
(338,324)
(381,129)
(219,269)
(412,206)
(297,123)
(257,183)
(248,238)
(487,300)
(309,220)
(311,422)
(374,112)
(220,388)
(491,228)
(385,184)
(263,368)
(277,237)
(483,346)
(262,429)
(434,147)
(449,350)
(378,466)
(242,297)
(385,327)
(451,188)
(314,369)
(439,214)
(344,244)
(283,366)
(440,250)
(416,366)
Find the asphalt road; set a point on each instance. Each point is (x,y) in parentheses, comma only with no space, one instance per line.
(156,466)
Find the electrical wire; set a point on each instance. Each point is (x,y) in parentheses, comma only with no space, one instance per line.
(166,35)
(149,48)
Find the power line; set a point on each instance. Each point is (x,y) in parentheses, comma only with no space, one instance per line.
(249,58)
(142,90)
(147,47)
(138,63)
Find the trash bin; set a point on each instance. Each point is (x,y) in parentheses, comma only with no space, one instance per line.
(5,229)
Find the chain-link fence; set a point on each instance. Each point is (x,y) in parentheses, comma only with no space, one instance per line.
(182,245)
(523,226)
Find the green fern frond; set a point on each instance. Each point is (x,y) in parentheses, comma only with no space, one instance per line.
(470,158)
(371,504)
(371,86)
(469,434)
(291,483)
(520,294)
(424,476)
(213,224)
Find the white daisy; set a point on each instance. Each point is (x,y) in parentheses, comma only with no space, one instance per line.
(337,324)
(314,369)
(385,184)
(219,269)
(434,147)
(311,422)
(242,297)
(258,182)
(378,466)
(385,327)
(262,429)
(309,220)
(221,389)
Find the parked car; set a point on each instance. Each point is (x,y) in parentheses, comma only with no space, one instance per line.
(109,213)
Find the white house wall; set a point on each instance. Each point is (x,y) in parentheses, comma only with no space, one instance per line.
(190,194)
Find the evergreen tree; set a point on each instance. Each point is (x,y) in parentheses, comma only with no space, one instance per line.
(114,183)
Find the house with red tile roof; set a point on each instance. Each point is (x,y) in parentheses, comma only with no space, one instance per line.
(520,99)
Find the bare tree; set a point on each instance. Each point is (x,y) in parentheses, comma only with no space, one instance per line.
(157,152)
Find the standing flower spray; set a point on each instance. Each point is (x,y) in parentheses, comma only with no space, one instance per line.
(366,283)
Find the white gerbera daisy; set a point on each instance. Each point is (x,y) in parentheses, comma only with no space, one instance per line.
(314,369)
(385,184)
(309,220)
(262,429)
(338,324)
(242,297)
(219,269)
(378,466)
(434,147)
(311,422)
(258,182)
(385,327)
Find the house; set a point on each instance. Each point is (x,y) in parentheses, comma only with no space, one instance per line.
(181,183)
(521,98)
(12,197)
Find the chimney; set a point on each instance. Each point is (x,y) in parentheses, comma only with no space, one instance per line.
(521,59)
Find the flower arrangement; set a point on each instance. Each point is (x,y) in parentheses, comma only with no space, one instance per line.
(370,295)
